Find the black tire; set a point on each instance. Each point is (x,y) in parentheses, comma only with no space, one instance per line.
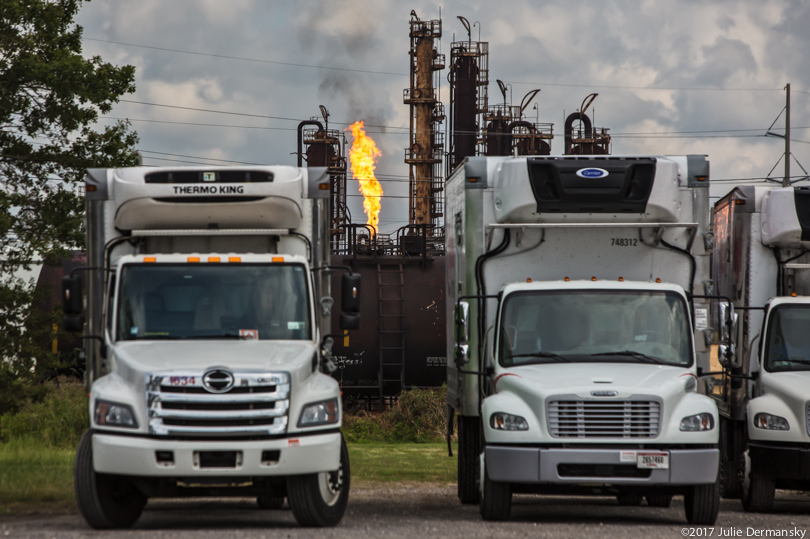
(629,499)
(702,503)
(270,502)
(732,464)
(496,500)
(469,450)
(758,490)
(319,500)
(659,499)
(105,501)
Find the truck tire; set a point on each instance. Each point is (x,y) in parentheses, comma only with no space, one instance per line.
(659,499)
(270,502)
(758,490)
(105,501)
(469,449)
(629,499)
(496,499)
(320,499)
(732,465)
(702,503)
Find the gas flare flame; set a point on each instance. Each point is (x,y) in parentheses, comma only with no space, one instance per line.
(363,154)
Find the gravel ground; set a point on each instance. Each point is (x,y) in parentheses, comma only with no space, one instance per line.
(430,510)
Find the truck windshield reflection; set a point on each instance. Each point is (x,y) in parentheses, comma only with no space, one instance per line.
(788,344)
(207,301)
(595,326)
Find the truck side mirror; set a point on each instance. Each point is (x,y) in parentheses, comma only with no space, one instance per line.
(463,322)
(349,321)
(72,304)
(462,354)
(72,295)
(73,323)
(350,293)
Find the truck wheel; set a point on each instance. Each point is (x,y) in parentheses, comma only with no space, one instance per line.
(319,500)
(758,490)
(270,502)
(496,499)
(469,449)
(702,503)
(659,499)
(731,462)
(105,501)
(629,499)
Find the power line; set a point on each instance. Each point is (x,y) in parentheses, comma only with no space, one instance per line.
(655,88)
(257,60)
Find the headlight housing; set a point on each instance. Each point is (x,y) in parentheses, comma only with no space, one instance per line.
(114,414)
(697,423)
(504,421)
(319,413)
(770,422)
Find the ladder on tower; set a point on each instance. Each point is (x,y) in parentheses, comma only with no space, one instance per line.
(391,281)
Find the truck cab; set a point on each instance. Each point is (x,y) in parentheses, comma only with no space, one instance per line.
(207,350)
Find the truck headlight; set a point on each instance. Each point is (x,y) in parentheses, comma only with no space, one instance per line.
(770,422)
(319,413)
(697,423)
(504,421)
(114,414)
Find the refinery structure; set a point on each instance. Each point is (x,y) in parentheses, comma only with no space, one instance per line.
(403,272)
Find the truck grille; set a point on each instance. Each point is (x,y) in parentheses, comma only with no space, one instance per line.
(604,419)
(217,402)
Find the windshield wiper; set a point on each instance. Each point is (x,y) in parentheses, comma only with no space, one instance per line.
(634,355)
(792,360)
(549,355)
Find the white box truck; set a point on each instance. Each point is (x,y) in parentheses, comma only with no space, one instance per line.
(761,264)
(573,288)
(208,309)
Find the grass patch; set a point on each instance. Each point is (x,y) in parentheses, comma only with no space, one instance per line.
(33,477)
(419,415)
(394,463)
(38,478)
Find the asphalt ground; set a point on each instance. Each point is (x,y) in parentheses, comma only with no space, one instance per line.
(422,510)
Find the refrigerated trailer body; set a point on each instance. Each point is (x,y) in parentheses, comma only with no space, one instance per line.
(573,287)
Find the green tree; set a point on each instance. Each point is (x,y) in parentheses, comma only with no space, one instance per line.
(50,99)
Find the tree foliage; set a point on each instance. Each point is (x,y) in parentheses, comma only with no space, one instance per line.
(50,99)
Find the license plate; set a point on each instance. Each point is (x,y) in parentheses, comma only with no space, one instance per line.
(653,460)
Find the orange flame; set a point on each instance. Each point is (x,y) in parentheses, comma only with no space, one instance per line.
(363,154)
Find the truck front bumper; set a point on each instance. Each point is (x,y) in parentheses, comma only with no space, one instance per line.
(532,465)
(141,456)
(779,461)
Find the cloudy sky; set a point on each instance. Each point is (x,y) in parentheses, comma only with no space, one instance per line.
(227,82)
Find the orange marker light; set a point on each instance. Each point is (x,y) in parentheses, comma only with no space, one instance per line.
(621,279)
(194,259)
(150,259)
(658,280)
(529,280)
(278,259)
(213,259)
(234,259)
(566,279)
(593,278)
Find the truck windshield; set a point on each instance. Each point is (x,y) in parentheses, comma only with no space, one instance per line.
(595,326)
(787,346)
(213,301)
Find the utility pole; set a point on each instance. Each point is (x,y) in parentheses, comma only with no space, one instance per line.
(786,180)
